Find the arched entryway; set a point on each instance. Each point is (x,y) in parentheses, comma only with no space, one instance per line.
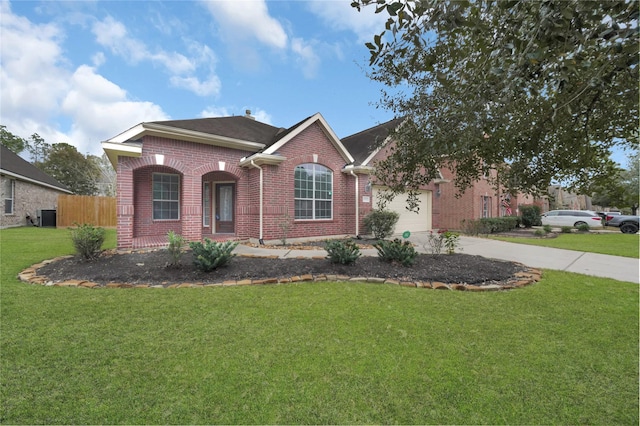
(219,204)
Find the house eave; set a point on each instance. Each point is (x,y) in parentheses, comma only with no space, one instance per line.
(261,159)
(361,170)
(116,149)
(35,182)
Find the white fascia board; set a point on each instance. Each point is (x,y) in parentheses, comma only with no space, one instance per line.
(261,158)
(113,150)
(200,137)
(155,129)
(36,182)
(325,128)
(361,170)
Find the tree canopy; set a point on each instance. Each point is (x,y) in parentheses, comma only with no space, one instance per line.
(71,168)
(15,143)
(539,90)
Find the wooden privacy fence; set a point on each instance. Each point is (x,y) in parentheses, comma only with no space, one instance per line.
(81,209)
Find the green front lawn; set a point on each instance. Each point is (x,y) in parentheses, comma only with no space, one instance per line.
(563,351)
(616,244)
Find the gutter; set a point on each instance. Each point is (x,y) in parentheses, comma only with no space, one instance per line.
(352,173)
(253,163)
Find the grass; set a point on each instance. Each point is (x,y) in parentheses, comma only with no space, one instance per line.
(616,244)
(564,351)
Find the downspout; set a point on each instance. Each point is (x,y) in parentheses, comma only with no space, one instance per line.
(261,240)
(351,172)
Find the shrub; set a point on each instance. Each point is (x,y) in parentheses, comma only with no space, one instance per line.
(547,229)
(451,241)
(396,251)
(211,255)
(381,223)
(583,227)
(490,225)
(285,225)
(435,242)
(87,240)
(566,229)
(530,216)
(176,248)
(447,239)
(343,252)
(539,233)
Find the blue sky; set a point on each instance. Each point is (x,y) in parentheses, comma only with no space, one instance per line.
(82,72)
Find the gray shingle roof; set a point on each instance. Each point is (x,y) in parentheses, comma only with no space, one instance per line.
(363,143)
(16,165)
(238,127)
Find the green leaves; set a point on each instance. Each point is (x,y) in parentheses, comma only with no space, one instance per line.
(541,91)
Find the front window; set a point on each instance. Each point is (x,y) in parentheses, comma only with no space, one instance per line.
(8,190)
(486,206)
(166,196)
(313,192)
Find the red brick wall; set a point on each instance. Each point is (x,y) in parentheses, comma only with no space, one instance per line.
(279,189)
(197,162)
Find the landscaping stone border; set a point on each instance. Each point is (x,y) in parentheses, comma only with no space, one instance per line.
(520,279)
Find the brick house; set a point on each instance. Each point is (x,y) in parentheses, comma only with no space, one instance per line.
(439,207)
(237,178)
(25,190)
(231,178)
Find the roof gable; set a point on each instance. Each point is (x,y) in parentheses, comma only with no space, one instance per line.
(296,129)
(365,144)
(12,164)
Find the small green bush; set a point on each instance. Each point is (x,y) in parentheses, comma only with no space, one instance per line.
(87,240)
(211,255)
(381,223)
(566,229)
(583,227)
(530,216)
(176,248)
(547,229)
(539,233)
(451,241)
(396,251)
(490,225)
(343,252)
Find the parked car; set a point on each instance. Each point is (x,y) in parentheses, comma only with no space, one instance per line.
(627,224)
(572,218)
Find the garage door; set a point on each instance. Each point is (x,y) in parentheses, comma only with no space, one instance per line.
(409,221)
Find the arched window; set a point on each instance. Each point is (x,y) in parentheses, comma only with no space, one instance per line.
(313,192)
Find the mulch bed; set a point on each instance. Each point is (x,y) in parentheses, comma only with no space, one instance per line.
(151,268)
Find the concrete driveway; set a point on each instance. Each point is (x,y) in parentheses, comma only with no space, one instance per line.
(600,265)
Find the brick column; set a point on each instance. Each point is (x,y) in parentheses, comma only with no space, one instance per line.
(124,208)
(192,208)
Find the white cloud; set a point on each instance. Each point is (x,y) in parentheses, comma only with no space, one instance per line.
(307,59)
(194,85)
(217,111)
(183,70)
(339,15)
(40,88)
(113,35)
(98,106)
(242,19)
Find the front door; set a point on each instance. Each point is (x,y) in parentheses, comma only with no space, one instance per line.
(225,201)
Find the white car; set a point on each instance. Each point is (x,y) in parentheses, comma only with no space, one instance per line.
(573,218)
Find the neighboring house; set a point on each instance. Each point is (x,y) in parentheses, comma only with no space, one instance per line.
(561,199)
(237,178)
(25,190)
(439,206)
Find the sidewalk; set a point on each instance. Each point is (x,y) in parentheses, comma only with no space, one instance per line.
(600,265)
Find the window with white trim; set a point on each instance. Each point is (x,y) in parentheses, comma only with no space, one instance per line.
(313,192)
(8,190)
(486,206)
(206,204)
(166,196)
